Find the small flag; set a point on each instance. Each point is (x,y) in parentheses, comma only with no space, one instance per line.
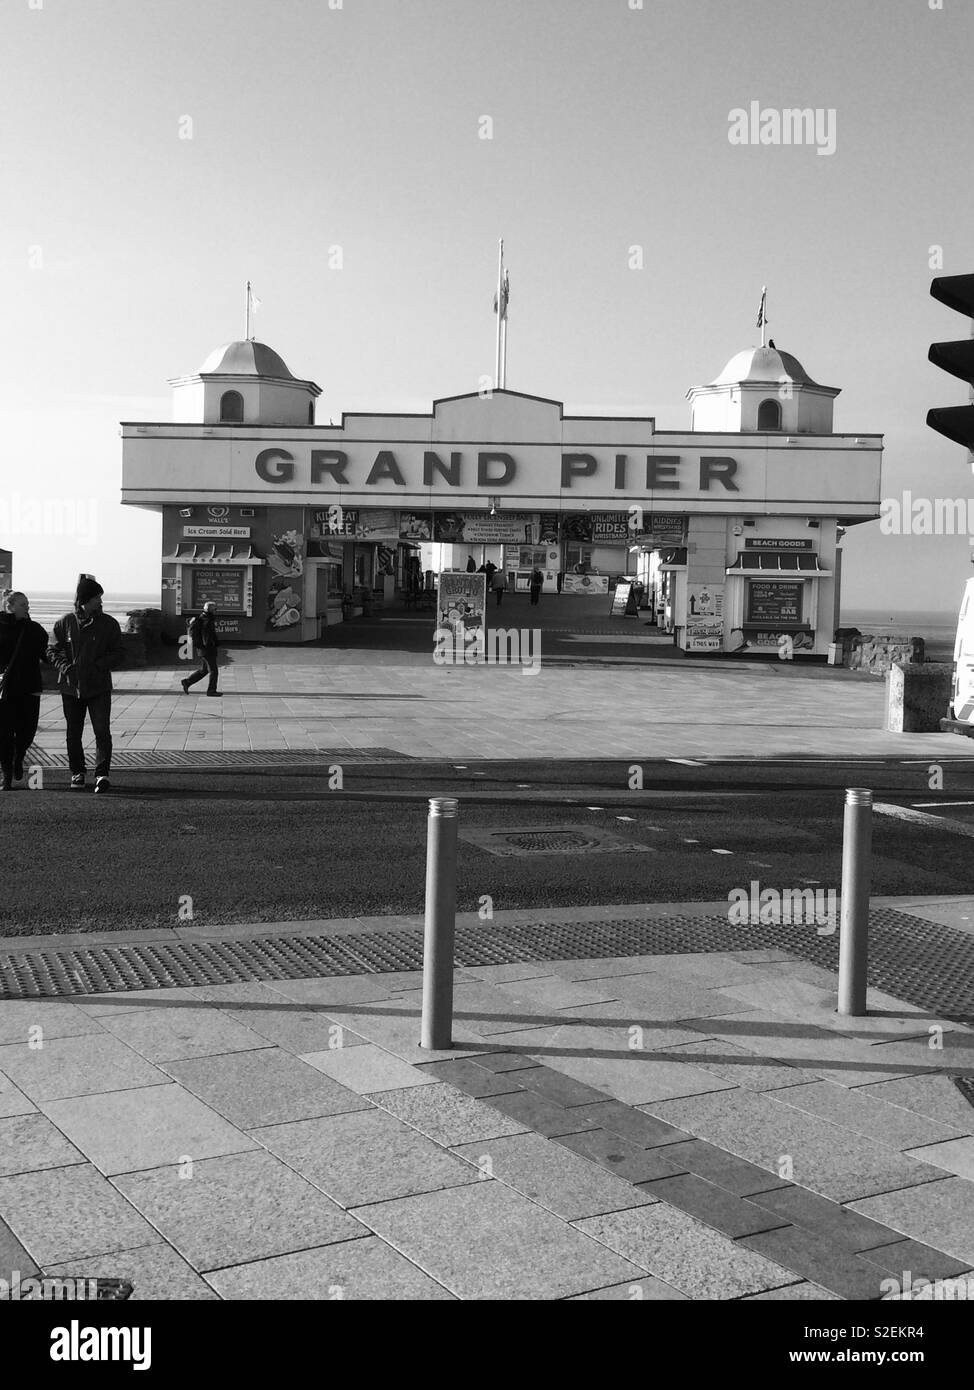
(255,303)
(762,316)
(505,295)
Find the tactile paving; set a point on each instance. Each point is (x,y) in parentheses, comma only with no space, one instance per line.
(923,963)
(159,759)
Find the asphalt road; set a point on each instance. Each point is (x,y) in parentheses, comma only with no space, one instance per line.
(264,845)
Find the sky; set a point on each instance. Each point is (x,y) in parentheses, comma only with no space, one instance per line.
(156,156)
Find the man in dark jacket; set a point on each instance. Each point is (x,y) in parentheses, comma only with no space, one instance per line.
(86,649)
(203,632)
(23,646)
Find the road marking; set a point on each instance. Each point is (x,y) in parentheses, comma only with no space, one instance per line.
(595,808)
(760,864)
(942,803)
(691,842)
(922,818)
(686,762)
(721,851)
(632,818)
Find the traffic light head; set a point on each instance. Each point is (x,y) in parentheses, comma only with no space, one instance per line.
(955,422)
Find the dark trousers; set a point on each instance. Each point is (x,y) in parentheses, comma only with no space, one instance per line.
(18,725)
(208,667)
(500,596)
(99,710)
(535,594)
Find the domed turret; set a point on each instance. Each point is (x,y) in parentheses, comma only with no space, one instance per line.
(762,389)
(244,383)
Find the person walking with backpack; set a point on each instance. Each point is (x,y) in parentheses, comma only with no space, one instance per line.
(86,649)
(23,646)
(537,580)
(202,629)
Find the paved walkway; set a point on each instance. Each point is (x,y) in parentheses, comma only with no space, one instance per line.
(426,711)
(698,1126)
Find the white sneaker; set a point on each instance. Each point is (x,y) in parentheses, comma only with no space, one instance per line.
(102,784)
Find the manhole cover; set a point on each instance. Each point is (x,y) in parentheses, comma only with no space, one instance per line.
(552,839)
(544,841)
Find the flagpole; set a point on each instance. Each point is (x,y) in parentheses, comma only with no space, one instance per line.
(500,278)
(247,333)
(504,353)
(764,313)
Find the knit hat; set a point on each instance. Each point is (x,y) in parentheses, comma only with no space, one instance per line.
(87,588)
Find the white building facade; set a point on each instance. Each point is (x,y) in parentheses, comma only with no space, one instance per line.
(733,525)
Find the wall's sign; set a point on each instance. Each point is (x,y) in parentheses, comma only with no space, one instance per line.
(237,533)
(504,528)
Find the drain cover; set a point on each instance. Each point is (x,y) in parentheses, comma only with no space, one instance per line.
(552,839)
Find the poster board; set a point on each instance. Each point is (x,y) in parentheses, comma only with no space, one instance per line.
(219,584)
(460,601)
(705,618)
(620,599)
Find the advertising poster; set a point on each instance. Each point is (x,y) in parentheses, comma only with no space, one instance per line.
(504,528)
(610,526)
(705,617)
(448,527)
(460,601)
(219,584)
(416,526)
(577,528)
(548,528)
(585,584)
(285,563)
(774,602)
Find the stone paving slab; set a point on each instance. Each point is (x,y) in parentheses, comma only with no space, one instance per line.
(488,1242)
(31,1142)
(75,1066)
(621,1157)
(174,1033)
(551,1176)
(921,1260)
(261,1088)
(714,1206)
(446,1114)
(13,1256)
(365,1156)
(861,1112)
(20,1018)
(956,1155)
(797,1206)
(940,1214)
(828,1158)
(685,1253)
(832,1266)
(934,1097)
(536,1112)
(636,1290)
(355,1269)
(740,1067)
(792,1292)
(238,1207)
(13,1101)
(368,1068)
(67,1212)
(155,1272)
(121,1131)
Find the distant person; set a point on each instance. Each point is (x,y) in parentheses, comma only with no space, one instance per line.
(23,646)
(498,582)
(490,569)
(86,649)
(471,567)
(561,579)
(537,579)
(202,629)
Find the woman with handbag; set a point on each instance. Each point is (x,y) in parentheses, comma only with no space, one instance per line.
(23,646)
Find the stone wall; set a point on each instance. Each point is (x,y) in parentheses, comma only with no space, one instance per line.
(862,651)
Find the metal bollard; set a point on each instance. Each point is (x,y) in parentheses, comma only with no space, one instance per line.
(857,836)
(441,910)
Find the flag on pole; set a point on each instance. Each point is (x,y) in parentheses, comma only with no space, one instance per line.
(255,303)
(762,316)
(505,296)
